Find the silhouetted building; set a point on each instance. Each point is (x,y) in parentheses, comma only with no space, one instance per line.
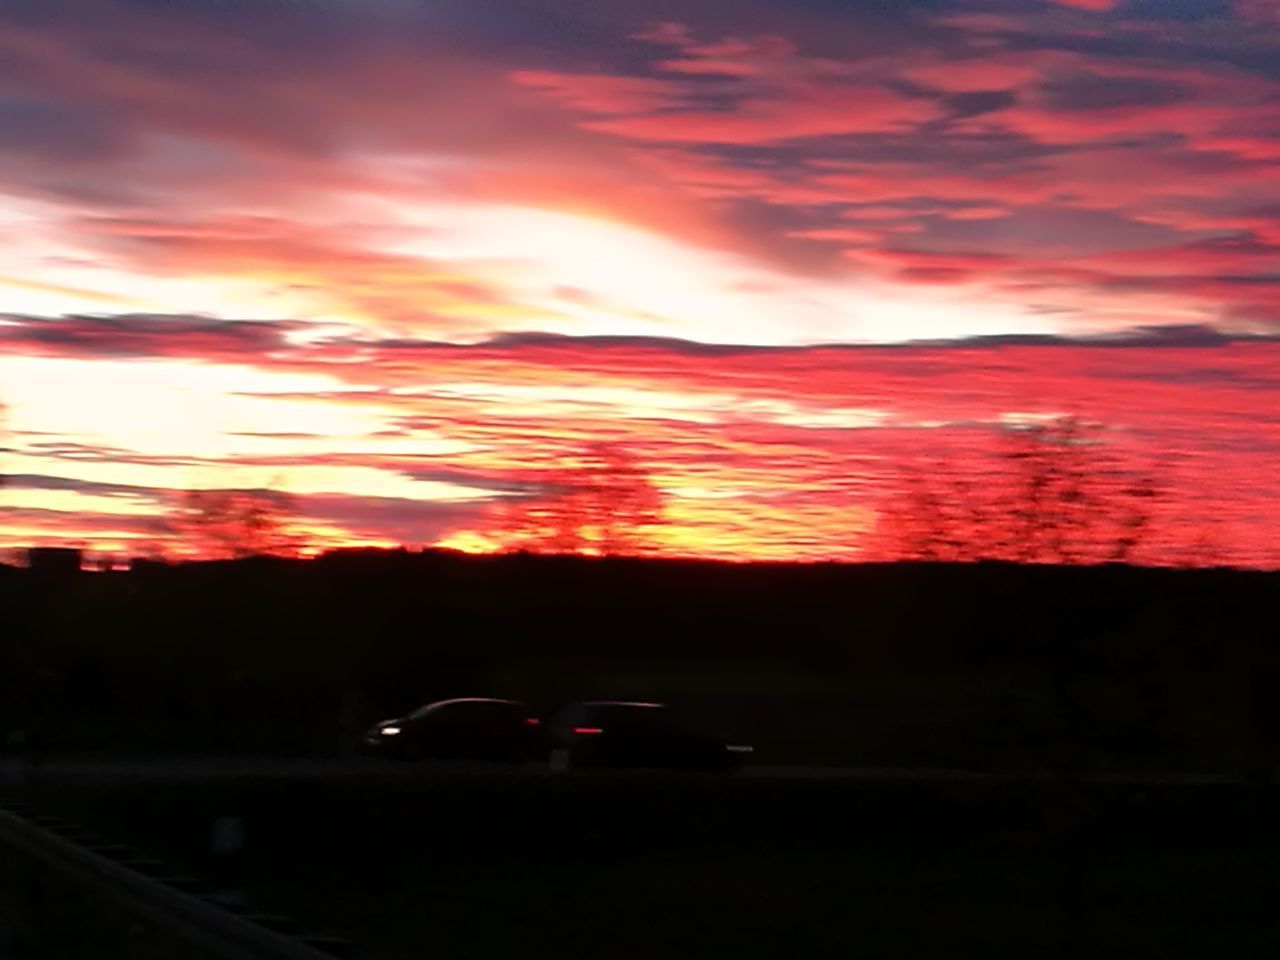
(54,561)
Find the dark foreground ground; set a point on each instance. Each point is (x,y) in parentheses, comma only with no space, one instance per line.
(983,667)
(471,863)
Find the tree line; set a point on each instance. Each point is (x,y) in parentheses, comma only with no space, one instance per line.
(1050,491)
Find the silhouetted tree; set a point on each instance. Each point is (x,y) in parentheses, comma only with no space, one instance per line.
(1205,549)
(4,435)
(1069,500)
(604,504)
(221,524)
(1053,492)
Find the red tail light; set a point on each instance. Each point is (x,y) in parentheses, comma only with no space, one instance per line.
(588,731)
(532,721)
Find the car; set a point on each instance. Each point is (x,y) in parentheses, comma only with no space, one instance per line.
(618,733)
(465,728)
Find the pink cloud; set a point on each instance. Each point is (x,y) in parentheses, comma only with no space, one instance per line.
(1261,223)
(978,213)
(283,138)
(879,213)
(1206,257)
(1084,100)
(839,235)
(1262,11)
(770,56)
(763,56)
(704,176)
(779,94)
(1089,4)
(937,267)
(666,33)
(1066,127)
(908,182)
(804,113)
(337,266)
(602,93)
(969,76)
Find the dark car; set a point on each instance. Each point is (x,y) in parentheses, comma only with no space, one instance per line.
(471,728)
(614,733)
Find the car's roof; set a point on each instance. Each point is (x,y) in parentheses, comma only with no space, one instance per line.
(620,703)
(435,705)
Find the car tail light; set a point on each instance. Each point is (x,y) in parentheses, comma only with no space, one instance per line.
(588,731)
(532,722)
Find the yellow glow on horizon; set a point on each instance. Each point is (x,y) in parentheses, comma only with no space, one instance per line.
(74,502)
(469,541)
(371,482)
(532,267)
(168,407)
(630,281)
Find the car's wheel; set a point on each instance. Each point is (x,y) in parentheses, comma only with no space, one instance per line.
(512,755)
(413,753)
(560,761)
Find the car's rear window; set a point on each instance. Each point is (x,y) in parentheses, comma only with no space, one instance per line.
(620,715)
(471,708)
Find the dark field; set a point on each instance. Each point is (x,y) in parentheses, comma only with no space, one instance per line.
(976,666)
(466,864)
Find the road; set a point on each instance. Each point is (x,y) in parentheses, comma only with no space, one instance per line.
(180,769)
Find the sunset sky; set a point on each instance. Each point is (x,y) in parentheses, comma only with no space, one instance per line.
(406,258)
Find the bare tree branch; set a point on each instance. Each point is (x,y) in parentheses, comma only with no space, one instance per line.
(221,524)
(606,505)
(1052,492)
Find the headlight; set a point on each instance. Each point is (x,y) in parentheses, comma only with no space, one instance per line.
(389,731)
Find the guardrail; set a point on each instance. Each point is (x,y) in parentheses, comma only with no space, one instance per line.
(70,896)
